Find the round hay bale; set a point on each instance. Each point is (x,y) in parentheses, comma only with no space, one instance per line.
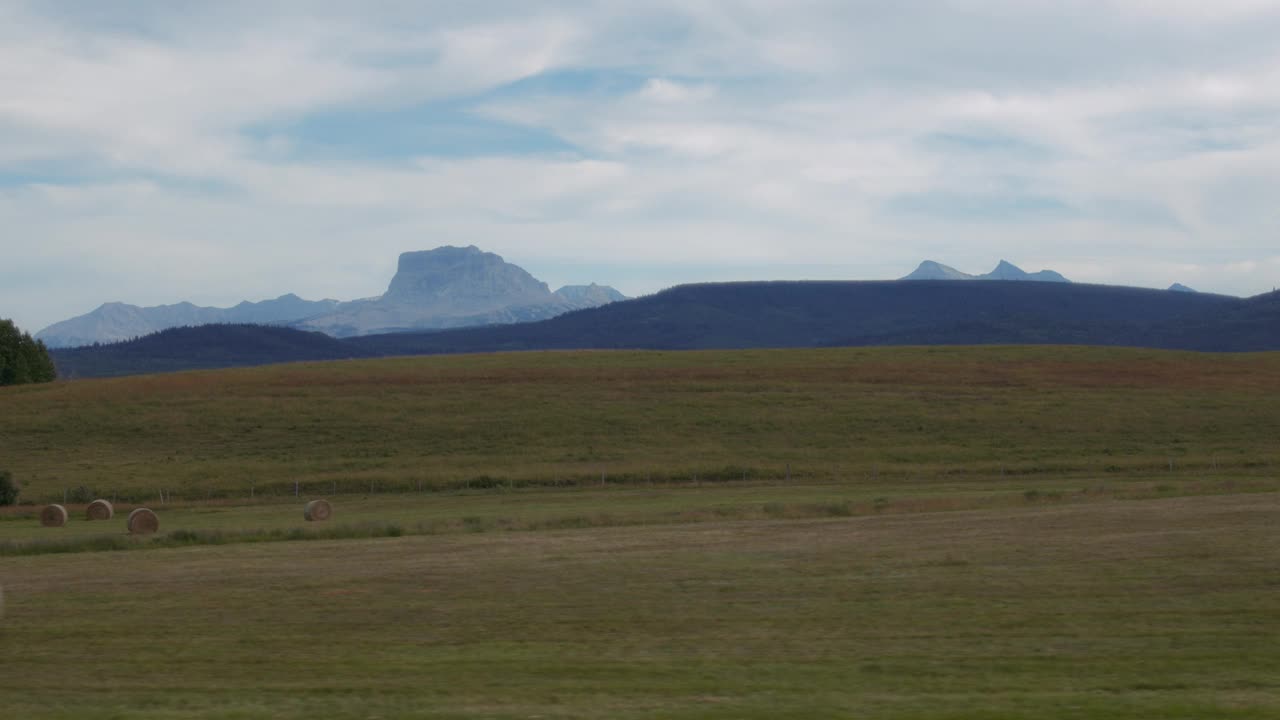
(53,516)
(99,510)
(317,510)
(143,522)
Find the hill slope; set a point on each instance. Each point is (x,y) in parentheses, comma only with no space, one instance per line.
(817,314)
(543,416)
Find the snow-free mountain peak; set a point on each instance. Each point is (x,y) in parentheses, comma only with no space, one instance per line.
(1005,270)
(116,321)
(451,287)
(930,270)
(462,280)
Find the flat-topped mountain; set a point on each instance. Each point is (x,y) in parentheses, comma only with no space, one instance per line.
(452,287)
(446,287)
(1005,270)
(462,281)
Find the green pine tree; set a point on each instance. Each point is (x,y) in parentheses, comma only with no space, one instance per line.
(22,358)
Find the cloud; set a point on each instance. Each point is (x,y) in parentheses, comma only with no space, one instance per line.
(228,151)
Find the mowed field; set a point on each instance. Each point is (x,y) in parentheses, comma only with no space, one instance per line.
(839,415)
(1162,608)
(963,533)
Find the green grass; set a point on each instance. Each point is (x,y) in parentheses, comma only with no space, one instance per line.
(874,533)
(1157,608)
(849,415)
(531,509)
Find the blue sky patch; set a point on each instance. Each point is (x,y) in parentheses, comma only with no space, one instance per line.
(442,129)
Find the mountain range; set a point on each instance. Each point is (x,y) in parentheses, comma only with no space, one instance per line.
(448,287)
(432,289)
(758,315)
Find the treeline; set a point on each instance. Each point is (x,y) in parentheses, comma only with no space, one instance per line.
(22,358)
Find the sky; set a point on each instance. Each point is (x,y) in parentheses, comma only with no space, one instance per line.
(154,151)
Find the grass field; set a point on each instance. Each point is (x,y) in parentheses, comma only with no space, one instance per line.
(841,415)
(966,533)
(1162,608)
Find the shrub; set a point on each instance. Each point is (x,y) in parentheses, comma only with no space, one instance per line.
(81,494)
(8,488)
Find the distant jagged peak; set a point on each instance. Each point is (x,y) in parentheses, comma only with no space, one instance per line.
(1179,287)
(116,321)
(1004,270)
(115,306)
(931,270)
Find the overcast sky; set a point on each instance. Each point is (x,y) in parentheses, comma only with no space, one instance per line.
(159,151)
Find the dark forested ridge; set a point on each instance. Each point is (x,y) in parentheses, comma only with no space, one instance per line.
(205,346)
(764,314)
(817,314)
